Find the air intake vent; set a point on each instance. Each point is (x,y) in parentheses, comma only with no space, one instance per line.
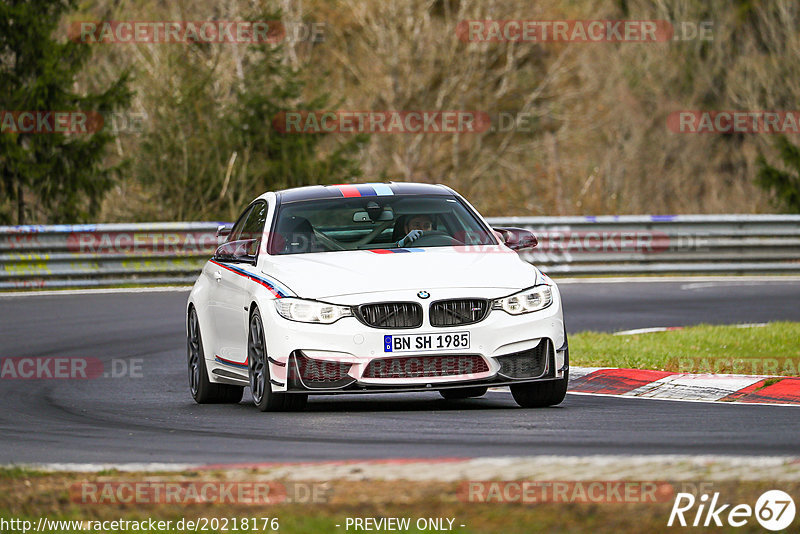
(391,315)
(426,366)
(526,364)
(458,312)
(311,373)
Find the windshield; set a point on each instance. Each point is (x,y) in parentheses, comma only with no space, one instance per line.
(385,222)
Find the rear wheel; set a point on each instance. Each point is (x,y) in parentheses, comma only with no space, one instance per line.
(541,394)
(463,393)
(202,389)
(260,385)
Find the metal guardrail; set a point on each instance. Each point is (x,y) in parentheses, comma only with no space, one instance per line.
(173,253)
(661,244)
(92,255)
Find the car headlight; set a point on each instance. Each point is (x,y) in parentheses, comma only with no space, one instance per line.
(526,301)
(311,311)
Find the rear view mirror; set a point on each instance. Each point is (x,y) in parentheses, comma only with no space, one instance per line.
(242,251)
(362,216)
(517,238)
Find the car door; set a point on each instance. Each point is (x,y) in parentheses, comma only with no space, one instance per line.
(228,296)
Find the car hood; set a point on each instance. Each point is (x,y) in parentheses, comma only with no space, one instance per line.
(330,274)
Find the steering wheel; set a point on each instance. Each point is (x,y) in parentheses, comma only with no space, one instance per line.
(434,238)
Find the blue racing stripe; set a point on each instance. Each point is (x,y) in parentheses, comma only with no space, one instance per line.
(366,190)
(230,363)
(271,285)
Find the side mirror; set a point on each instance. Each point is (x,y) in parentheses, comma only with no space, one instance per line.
(223,231)
(242,251)
(517,238)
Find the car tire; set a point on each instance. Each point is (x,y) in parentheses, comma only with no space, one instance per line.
(202,389)
(258,366)
(541,394)
(463,393)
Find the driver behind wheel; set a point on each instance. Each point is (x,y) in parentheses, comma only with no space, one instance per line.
(414,228)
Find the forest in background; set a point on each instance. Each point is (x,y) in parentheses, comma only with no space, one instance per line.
(196,140)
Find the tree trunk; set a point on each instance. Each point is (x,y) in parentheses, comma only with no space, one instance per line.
(20,204)
(8,188)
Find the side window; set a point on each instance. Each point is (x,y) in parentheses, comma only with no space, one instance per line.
(254,224)
(236,231)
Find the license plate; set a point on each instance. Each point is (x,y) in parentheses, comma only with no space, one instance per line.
(425,342)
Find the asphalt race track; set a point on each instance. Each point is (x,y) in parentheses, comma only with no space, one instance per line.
(151,418)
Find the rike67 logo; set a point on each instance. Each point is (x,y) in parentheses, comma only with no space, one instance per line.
(774,510)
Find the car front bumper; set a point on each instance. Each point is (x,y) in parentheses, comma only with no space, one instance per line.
(341,353)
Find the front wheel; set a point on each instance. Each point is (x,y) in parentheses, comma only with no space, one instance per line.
(260,384)
(541,394)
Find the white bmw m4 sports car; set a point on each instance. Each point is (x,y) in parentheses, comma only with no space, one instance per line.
(372,288)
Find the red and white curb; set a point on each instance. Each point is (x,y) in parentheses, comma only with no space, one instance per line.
(648,384)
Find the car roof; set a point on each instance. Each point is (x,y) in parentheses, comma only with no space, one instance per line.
(314,192)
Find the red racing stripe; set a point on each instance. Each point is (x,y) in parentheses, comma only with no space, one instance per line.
(254,279)
(246,361)
(349,191)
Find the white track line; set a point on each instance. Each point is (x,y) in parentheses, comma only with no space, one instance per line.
(94,468)
(649,330)
(672,328)
(110,290)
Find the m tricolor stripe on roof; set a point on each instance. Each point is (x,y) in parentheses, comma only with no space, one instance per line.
(364,190)
(317,192)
